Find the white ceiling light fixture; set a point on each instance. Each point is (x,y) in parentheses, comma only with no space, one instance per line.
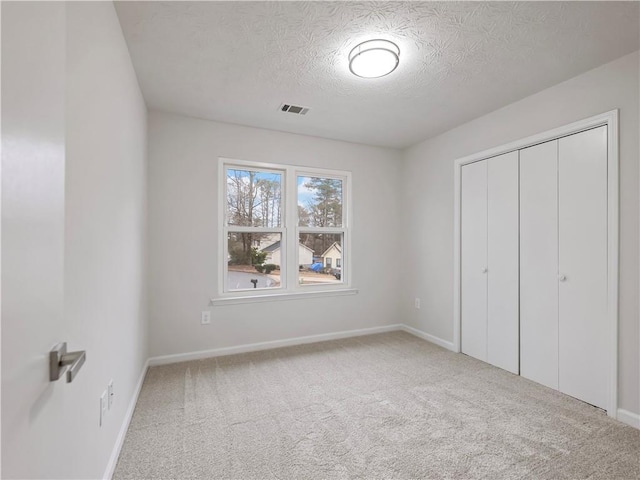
(374,58)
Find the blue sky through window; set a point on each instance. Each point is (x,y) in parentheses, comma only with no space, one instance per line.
(235,173)
(305,194)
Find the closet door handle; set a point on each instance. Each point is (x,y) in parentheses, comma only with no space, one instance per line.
(562,278)
(485,270)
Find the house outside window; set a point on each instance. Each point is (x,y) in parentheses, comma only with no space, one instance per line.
(278,223)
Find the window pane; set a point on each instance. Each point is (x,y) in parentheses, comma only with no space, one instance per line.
(319,202)
(320,257)
(253,260)
(254,198)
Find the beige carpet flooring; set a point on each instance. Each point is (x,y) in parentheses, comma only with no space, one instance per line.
(388,406)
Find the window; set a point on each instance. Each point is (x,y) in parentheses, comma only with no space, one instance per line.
(282,229)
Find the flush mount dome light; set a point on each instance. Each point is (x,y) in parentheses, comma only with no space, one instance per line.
(374,58)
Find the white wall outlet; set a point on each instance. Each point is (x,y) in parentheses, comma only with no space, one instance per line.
(206,318)
(110,394)
(103,407)
(417,303)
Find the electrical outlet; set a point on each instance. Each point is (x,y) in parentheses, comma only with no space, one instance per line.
(206,318)
(417,303)
(110,394)
(103,407)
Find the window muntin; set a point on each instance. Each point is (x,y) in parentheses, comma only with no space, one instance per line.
(266,207)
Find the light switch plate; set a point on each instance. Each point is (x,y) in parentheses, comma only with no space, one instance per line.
(103,407)
(110,394)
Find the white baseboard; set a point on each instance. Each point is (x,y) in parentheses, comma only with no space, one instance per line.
(630,418)
(113,460)
(428,337)
(254,347)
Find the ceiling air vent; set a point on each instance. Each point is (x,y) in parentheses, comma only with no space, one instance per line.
(298,110)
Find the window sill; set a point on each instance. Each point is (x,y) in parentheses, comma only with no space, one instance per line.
(281,296)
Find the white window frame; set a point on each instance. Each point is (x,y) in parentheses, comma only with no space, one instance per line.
(290,232)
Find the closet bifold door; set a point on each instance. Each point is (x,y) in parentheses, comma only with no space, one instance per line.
(583,334)
(489,261)
(503,276)
(473,260)
(539,263)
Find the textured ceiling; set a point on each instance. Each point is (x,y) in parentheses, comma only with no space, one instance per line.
(237,62)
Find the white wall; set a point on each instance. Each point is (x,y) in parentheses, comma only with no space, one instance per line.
(427,194)
(79,227)
(105,234)
(183,240)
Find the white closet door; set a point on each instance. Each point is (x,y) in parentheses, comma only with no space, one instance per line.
(539,263)
(474,260)
(583,266)
(503,311)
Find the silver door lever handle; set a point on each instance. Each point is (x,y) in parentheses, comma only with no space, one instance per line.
(60,360)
